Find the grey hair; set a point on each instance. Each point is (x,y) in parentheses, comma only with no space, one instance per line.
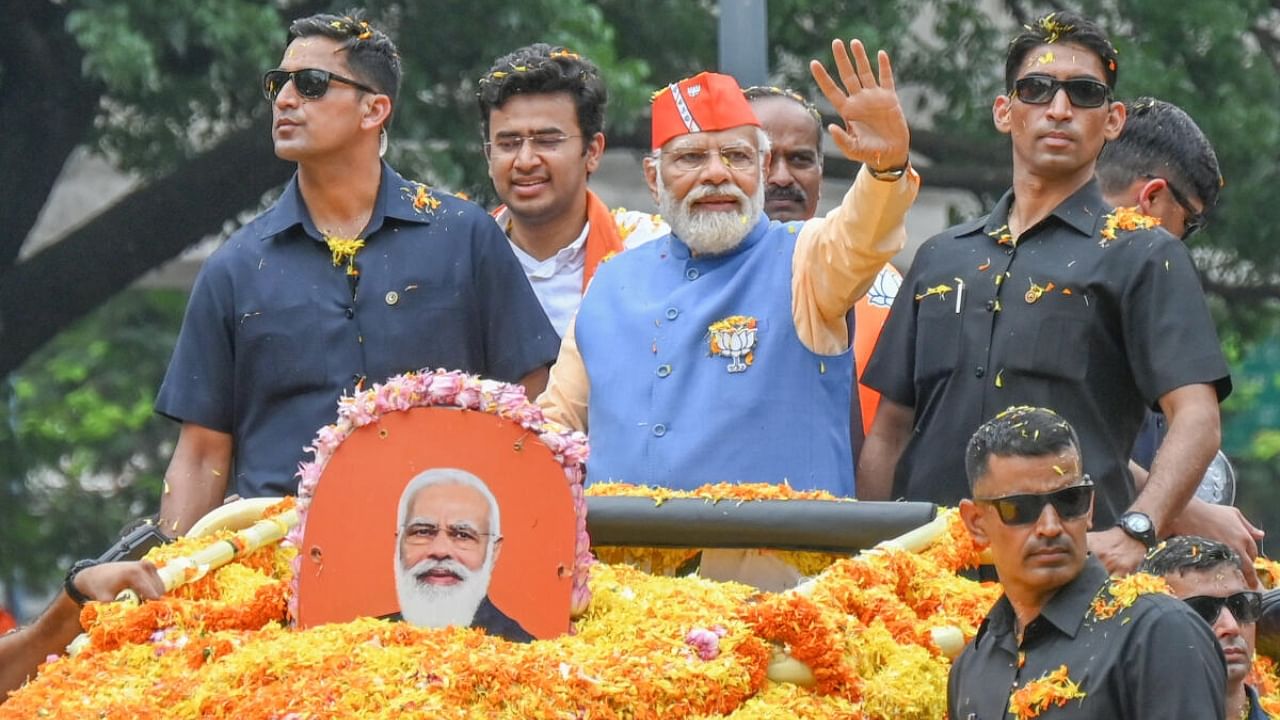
(448,476)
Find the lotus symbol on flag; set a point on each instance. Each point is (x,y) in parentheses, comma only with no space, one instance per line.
(735,338)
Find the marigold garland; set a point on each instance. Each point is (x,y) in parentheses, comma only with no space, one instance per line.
(646,647)
(811,636)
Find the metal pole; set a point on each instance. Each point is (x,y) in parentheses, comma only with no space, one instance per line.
(744,41)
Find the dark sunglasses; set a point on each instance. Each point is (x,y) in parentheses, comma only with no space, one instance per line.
(310,83)
(1245,605)
(1195,221)
(1040,89)
(1069,502)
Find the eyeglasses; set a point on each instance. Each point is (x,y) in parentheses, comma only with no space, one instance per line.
(734,157)
(1195,221)
(311,83)
(1040,90)
(1069,502)
(461,536)
(1245,605)
(542,144)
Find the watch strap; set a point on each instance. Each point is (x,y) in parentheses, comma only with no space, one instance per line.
(69,584)
(1147,537)
(888,174)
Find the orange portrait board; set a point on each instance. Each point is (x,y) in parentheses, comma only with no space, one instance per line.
(350,552)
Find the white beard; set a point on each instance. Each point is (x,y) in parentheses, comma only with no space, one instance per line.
(436,606)
(709,232)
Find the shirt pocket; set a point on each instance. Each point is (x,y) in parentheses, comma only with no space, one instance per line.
(1058,345)
(938,345)
(426,326)
(280,351)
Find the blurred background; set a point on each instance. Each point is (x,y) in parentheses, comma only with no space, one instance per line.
(134,138)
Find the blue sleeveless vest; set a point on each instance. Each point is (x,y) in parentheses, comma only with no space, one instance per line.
(677,403)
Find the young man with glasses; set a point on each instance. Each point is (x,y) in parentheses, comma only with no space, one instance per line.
(720,352)
(1062,636)
(542,110)
(1207,576)
(1054,298)
(355,274)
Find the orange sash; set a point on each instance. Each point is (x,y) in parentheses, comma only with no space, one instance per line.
(602,241)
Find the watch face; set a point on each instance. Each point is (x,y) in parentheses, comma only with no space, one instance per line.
(1138,523)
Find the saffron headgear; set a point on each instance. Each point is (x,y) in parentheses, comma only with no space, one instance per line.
(703,103)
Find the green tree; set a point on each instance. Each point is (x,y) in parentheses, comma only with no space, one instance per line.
(169,90)
(81,451)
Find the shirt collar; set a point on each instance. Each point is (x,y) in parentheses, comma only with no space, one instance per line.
(682,252)
(1255,705)
(572,256)
(396,199)
(1081,212)
(1066,610)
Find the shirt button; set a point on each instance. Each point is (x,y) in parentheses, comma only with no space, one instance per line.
(351,312)
(691,273)
(664,370)
(392,297)
(672,313)
(979,371)
(659,430)
(991,305)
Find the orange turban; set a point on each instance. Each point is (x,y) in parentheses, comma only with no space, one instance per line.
(705,102)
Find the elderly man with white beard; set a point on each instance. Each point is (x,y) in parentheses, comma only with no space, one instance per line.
(448,541)
(720,352)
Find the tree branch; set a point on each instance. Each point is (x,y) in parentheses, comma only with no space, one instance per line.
(44,294)
(46,107)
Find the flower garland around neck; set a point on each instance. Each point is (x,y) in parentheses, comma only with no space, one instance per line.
(344,251)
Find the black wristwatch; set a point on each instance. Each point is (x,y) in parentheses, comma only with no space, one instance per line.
(69,585)
(1139,527)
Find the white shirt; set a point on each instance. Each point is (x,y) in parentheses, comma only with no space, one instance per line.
(557,281)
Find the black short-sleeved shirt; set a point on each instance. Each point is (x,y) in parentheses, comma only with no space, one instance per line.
(1154,659)
(274,332)
(1095,329)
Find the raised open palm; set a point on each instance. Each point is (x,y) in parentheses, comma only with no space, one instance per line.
(875,130)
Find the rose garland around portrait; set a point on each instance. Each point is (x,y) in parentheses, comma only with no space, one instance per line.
(453,390)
